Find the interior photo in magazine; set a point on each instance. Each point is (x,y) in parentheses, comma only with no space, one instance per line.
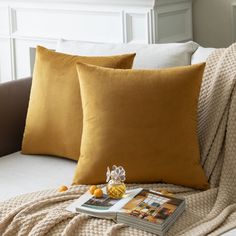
(151,206)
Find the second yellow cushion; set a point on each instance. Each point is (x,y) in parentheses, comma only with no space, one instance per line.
(143,120)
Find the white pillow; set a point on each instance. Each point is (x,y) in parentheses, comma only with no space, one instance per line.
(148,56)
(201,55)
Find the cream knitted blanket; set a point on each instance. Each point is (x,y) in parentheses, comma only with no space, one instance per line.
(210,212)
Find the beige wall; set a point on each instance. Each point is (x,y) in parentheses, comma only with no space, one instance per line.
(212,22)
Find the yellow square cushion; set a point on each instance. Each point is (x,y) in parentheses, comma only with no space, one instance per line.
(143,120)
(54,119)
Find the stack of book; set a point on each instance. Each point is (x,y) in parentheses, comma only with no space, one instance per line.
(140,208)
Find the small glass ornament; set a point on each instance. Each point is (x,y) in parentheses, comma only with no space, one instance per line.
(115,182)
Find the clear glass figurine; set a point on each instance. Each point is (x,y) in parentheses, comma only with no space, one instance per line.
(115,181)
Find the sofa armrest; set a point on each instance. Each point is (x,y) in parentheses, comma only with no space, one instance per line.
(14,98)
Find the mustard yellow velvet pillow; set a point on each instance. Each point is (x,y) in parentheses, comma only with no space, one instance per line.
(54,119)
(144,120)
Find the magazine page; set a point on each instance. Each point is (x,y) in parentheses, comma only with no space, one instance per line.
(151,206)
(89,204)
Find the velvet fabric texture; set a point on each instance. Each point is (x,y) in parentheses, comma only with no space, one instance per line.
(54,118)
(144,120)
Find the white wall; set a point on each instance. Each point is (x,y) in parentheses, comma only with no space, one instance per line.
(212,22)
(27,23)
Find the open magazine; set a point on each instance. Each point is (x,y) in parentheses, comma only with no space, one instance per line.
(140,208)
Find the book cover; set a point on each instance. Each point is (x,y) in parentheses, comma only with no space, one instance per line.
(151,206)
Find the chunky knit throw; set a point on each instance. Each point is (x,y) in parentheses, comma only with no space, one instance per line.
(210,212)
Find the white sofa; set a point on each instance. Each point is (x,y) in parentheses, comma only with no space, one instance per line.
(20,174)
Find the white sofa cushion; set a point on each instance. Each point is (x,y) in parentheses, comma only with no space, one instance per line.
(21,174)
(201,54)
(148,56)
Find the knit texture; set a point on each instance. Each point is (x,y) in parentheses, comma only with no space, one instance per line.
(210,212)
